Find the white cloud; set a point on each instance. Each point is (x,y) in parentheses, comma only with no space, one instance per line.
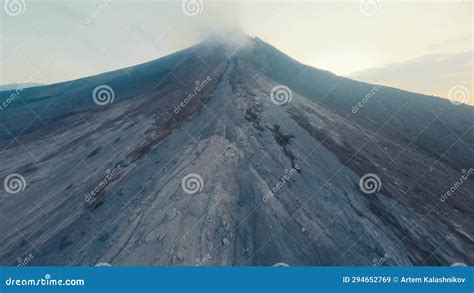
(429,74)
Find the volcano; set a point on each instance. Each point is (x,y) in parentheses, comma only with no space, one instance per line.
(231,153)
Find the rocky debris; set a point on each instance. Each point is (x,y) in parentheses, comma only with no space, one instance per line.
(284,141)
(317,217)
(225,242)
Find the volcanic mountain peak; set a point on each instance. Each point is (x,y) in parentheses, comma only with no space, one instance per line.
(228,36)
(248,158)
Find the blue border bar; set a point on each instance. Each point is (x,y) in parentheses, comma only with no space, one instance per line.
(238,279)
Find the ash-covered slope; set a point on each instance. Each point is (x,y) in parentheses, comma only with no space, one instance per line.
(280,183)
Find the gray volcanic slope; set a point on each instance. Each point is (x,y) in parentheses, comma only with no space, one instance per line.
(311,153)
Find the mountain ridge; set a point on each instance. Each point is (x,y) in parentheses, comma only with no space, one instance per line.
(221,41)
(276,161)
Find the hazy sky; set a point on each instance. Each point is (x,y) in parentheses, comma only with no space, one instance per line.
(422,46)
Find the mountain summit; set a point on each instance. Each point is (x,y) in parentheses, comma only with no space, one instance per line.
(212,156)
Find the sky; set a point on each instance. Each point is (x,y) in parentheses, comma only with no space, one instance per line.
(421,46)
